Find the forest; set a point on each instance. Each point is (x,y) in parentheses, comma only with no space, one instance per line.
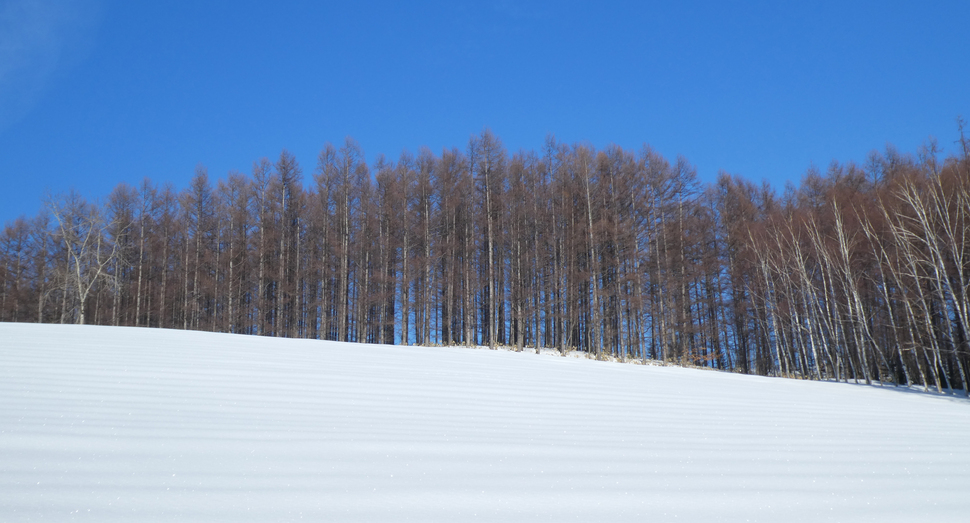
(860,272)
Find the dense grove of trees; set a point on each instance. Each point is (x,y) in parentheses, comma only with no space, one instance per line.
(861,272)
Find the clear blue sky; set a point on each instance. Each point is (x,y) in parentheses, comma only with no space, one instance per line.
(95,93)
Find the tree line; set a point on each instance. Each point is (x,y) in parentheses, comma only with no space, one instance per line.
(862,272)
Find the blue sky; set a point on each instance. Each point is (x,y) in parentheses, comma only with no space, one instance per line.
(93,93)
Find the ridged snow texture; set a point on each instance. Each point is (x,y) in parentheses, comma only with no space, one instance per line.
(126,424)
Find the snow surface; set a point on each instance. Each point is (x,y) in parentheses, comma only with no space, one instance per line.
(127,424)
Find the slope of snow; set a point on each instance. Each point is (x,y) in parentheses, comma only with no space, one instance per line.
(125,424)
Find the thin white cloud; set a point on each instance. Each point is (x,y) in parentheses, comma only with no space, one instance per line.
(38,38)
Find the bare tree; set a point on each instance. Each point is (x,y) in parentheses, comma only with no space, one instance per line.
(83,228)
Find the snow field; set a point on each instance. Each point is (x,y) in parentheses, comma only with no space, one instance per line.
(127,424)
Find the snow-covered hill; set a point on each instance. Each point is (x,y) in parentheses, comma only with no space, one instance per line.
(126,424)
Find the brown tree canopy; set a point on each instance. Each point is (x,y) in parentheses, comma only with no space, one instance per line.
(859,273)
